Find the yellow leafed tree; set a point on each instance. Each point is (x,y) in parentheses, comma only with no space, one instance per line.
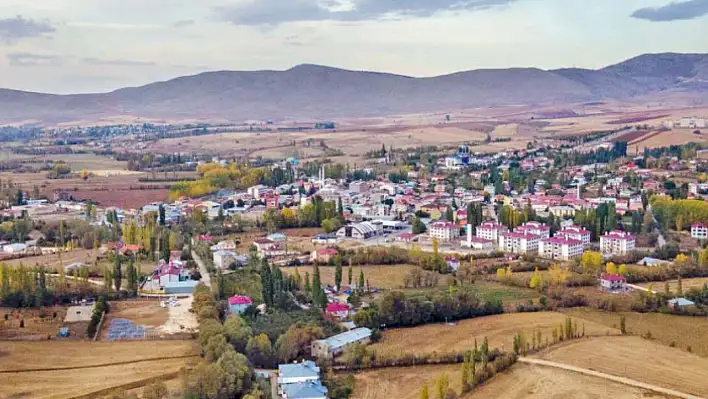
(610,268)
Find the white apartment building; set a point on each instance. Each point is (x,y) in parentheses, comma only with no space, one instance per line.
(519,243)
(491,231)
(617,243)
(575,233)
(560,248)
(699,231)
(534,228)
(444,231)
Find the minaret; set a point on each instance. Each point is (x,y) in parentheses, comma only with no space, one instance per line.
(580,185)
(469,234)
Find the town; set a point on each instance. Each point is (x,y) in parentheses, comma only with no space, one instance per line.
(314,279)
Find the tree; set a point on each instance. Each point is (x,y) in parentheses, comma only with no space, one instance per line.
(442,387)
(361,284)
(424,392)
(418,226)
(535,281)
(338,274)
(237,332)
(350,271)
(117,272)
(610,268)
(622,270)
(679,286)
(623,325)
(132,275)
(591,261)
(161,215)
(260,351)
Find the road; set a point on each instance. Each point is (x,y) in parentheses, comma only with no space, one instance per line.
(621,380)
(590,145)
(206,278)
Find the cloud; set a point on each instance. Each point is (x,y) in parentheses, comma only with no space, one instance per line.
(677,10)
(22,59)
(183,23)
(275,12)
(98,61)
(14,29)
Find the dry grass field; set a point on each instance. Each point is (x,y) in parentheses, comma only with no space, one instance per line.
(687,284)
(144,312)
(638,359)
(667,138)
(524,381)
(89,162)
(682,331)
(382,277)
(504,131)
(499,330)
(38,323)
(53,261)
(404,382)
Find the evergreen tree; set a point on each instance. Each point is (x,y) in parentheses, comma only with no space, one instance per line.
(338,274)
(117,272)
(131,274)
(350,271)
(308,286)
(161,211)
(442,386)
(424,392)
(267,283)
(360,286)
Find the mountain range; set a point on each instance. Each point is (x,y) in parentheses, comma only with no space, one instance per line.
(320,92)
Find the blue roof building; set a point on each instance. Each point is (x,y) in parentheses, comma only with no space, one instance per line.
(304,390)
(298,372)
(680,302)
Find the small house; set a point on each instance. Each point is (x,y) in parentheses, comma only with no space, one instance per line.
(325,239)
(335,345)
(323,255)
(239,303)
(223,258)
(452,262)
(613,282)
(338,310)
(298,372)
(678,303)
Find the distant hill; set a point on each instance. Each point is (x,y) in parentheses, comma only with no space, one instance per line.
(313,91)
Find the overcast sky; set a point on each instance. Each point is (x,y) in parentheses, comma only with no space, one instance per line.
(69,46)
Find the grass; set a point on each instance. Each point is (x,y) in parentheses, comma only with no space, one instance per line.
(489,290)
(382,277)
(682,331)
(499,330)
(403,383)
(636,358)
(686,284)
(34,325)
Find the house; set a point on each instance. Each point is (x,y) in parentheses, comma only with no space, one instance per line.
(339,310)
(239,303)
(334,346)
(272,201)
(617,242)
(444,231)
(306,371)
(613,282)
(223,259)
(180,287)
(267,247)
(304,390)
(560,248)
(678,303)
(653,262)
(452,262)
(519,243)
(226,245)
(699,231)
(323,255)
(324,239)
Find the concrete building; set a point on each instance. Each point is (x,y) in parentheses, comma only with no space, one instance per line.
(535,228)
(491,231)
(617,243)
(300,381)
(334,346)
(444,231)
(575,233)
(613,282)
(519,243)
(224,258)
(560,248)
(239,303)
(699,231)
(360,231)
(477,243)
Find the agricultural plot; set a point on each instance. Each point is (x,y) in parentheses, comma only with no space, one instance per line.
(133,320)
(686,284)
(53,261)
(403,382)
(33,324)
(525,381)
(667,138)
(382,277)
(666,329)
(638,359)
(460,336)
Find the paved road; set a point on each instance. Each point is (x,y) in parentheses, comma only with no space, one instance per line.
(206,278)
(621,380)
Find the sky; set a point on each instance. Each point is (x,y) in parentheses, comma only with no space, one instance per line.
(80,46)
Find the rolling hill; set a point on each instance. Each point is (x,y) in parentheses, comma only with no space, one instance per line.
(313,91)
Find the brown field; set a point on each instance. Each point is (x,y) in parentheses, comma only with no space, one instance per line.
(524,381)
(499,330)
(122,198)
(382,277)
(35,327)
(20,356)
(89,162)
(53,261)
(686,284)
(667,138)
(144,312)
(683,331)
(510,130)
(404,382)
(637,359)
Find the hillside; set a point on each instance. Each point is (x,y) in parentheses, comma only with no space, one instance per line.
(312,91)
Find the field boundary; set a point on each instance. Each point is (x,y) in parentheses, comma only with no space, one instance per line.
(621,380)
(98,365)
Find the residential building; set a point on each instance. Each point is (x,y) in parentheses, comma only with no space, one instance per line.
(323,255)
(257,191)
(325,239)
(334,346)
(519,243)
(272,201)
(359,187)
(304,390)
(699,231)
(491,231)
(452,262)
(613,282)
(575,233)
(239,303)
(678,303)
(223,259)
(14,248)
(617,242)
(535,228)
(300,381)
(560,248)
(444,231)
(226,245)
(339,310)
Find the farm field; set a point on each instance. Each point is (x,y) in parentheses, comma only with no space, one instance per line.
(499,330)
(92,381)
(667,138)
(524,381)
(403,382)
(22,355)
(382,277)
(89,162)
(491,290)
(53,261)
(638,359)
(131,199)
(147,313)
(686,284)
(666,329)
(38,323)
